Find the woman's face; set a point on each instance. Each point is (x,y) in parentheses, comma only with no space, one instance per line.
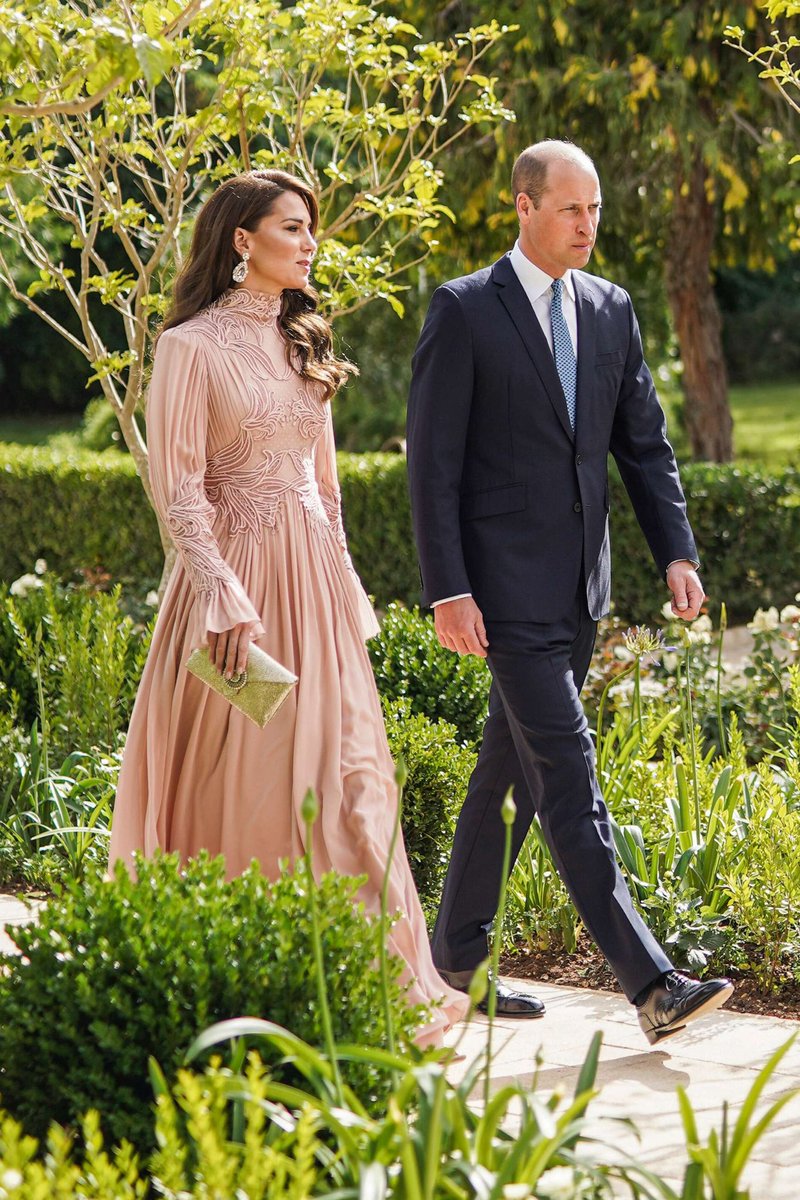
(281,247)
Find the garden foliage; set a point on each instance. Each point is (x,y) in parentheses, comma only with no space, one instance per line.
(438,773)
(83,511)
(411,664)
(71,658)
(112,973)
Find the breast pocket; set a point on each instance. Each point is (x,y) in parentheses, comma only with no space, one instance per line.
(609,358)
(494,502)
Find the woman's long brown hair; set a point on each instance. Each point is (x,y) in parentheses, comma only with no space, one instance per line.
(241,202)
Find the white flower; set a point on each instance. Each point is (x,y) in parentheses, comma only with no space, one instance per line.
(790,613)
(151,599)
(703,624)
(765,620)
(647,687)
(26,583)
(11,1179)
(557,1184)
(670,662)
(40,566)
(516,1191)
(666,611)
(623,654)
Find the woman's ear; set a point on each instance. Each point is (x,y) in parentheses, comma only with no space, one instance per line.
(240,240)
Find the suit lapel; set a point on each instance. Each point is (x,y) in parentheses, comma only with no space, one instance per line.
(587,338)
(518,306)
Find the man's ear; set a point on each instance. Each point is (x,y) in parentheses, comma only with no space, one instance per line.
(523,204)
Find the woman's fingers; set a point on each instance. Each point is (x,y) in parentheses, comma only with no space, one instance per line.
(228,650)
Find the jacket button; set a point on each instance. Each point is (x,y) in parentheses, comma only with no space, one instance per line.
(578,459)
(577,506)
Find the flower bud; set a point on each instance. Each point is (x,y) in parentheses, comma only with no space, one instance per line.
(400,772)
(309,809)
(509,809)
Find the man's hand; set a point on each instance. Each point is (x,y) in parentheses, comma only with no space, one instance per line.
(459,626)
(228,650)
(687,590)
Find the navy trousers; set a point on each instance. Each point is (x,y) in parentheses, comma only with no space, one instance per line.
(536,737)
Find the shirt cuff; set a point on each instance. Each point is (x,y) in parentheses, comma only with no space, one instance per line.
(447,599)
(694,563)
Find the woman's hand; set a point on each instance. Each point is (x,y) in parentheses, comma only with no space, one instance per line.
(228,650)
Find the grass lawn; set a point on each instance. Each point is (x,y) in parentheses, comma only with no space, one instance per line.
(766,423)
(36,430)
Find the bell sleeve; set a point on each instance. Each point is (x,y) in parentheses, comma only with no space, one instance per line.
(177,422)
(328,483)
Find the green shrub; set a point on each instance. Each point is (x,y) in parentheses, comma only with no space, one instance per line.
(100,428)
(410,663)
(87,655)
(196,1156)
(764,886)
(438,774)
(742,518)
(80,510)
(75,510)
(114,972)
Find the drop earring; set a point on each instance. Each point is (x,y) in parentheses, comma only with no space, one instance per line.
(240,270)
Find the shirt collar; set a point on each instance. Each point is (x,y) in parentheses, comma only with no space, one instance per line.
(535,281)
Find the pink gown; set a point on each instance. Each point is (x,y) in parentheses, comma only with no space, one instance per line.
(243,470)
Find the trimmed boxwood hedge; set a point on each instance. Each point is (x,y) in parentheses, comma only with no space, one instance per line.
(87,510)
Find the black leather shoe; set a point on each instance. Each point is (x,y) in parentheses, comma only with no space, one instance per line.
(676,1000)
(509,1002)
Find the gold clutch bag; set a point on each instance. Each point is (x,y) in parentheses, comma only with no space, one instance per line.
(258,692)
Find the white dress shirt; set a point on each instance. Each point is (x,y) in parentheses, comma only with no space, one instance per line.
(537,287)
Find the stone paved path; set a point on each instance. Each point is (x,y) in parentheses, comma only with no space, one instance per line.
(718,1058)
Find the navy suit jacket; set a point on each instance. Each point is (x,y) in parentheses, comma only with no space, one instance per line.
(508,503)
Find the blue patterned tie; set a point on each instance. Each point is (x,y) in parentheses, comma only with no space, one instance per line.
(566,363)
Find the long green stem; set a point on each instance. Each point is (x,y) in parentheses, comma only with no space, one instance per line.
(310,810)
(508,812)
(723,625)
(45,729)
(637,694)
(687,669)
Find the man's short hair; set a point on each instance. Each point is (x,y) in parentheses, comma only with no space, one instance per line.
(530,170)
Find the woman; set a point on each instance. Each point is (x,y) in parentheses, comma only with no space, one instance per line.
(243,471)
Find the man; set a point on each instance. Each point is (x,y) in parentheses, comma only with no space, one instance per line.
(526,376)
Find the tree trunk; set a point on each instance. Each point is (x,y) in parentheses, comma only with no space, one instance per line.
(695,315)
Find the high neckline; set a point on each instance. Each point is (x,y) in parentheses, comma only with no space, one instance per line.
(261,304)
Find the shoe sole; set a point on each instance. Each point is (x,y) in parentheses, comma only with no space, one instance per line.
(702,1010)
(515,1016)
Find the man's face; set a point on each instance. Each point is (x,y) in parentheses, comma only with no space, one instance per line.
(560,233)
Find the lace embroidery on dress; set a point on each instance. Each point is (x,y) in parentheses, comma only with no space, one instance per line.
(189,520)
(246,481)
(332,504)
(309,494)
